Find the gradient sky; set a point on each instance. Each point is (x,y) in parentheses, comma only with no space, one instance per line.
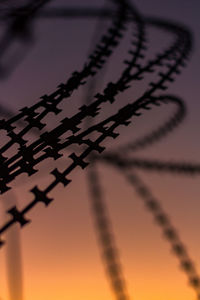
(60,255)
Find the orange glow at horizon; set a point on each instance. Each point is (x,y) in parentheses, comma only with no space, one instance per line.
(61,258)
(61,255)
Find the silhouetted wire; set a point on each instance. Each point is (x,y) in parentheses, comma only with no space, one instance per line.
(173,58)
(110,252)
(100,209)
(106,238)
(13,32)
(143,191)
(13,250)
(163,221)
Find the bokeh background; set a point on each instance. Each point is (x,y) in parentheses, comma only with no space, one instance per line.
(60,255)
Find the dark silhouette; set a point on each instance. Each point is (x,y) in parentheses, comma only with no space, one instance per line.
(50,142)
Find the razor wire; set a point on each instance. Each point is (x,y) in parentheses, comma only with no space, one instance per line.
(51,143)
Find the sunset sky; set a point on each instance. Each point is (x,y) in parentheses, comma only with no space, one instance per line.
(61,259)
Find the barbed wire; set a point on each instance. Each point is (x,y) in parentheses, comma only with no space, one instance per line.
(160,216)
(50,143)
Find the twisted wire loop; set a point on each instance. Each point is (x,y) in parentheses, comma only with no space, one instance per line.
(128,167)
(98,203)
(50,143)
(160,216)
(117,158)
(72,123)
(103,226)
